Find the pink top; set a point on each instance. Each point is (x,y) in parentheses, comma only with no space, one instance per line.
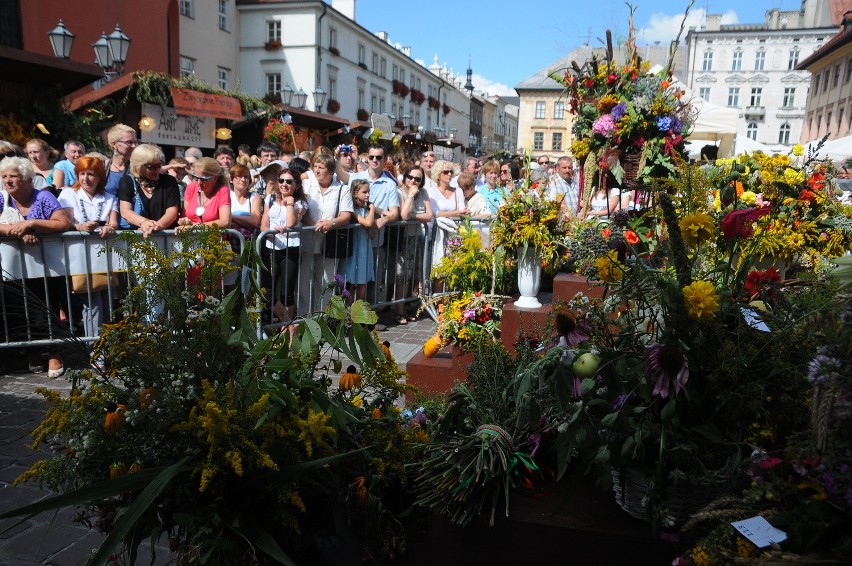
(191,202)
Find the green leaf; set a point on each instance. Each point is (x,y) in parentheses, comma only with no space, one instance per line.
(587,386)
(669,411)
(362,313)
(139,505)
(609,420)
(312,330)
(336,308)
(256,535)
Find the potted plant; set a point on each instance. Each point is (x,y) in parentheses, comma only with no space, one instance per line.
(332,106)
(272,44)
(334,51)
(446,109)
(278,132)
(403,90)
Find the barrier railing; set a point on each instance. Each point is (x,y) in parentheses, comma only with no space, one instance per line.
(74,274)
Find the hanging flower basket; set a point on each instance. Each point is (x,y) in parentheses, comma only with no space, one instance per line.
(278,132)
(362,115)
(333,106)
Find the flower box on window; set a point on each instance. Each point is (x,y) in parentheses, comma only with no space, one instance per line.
(334,51)
(272,44)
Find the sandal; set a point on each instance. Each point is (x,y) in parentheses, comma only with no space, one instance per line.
(53,373)
(413,318)
(401,319)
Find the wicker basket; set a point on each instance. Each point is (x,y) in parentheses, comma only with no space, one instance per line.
(632,165)
(633,488)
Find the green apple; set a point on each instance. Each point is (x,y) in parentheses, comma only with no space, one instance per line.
(586,365)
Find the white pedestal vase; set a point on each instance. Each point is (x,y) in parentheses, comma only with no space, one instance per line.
(529,278)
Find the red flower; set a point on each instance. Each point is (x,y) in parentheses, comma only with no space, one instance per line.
(807,196)
(193,275)
(817,181)
(606,232)
(631,237)
(589,83)
(738,223)
(768,463)
(611,79)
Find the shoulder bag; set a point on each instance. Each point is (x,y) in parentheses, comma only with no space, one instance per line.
(338,242)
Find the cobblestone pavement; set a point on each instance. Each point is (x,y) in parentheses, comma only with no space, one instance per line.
(53,537)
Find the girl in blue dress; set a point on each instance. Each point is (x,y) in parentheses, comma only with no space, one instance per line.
(358,269)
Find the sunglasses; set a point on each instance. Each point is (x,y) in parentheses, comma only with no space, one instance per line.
(200,177)
(375,157)
(449,172)
(414,178)
(506,171)
(8,154)
(544,162)
(129,142)
(152,166)
(285,181)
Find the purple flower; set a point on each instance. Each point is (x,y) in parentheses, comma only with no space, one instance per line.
(346,294)
(469,314)
(664,123)
(619,402)
(667,364)
(618,111)
(604,126)
(338,278)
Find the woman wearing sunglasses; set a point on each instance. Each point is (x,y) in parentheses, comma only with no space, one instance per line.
(283,215)
(414,205)
(148,198)
(207,199)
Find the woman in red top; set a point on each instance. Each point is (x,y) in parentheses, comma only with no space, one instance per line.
(207,199)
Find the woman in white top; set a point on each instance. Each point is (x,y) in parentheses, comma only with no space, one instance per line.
(90,209)
(245,205)
(283,215)
(448,204)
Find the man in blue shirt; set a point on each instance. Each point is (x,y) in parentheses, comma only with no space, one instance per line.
(384,196)
(74,150)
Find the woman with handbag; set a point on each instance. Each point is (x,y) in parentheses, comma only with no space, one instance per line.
(25,213)
(90,209)
(148,198)
(329,211)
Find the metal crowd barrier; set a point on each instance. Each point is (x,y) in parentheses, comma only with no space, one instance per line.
(36,281)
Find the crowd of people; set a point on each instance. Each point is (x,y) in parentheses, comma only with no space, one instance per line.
(345,198)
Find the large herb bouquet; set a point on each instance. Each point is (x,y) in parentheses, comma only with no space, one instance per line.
(235,448)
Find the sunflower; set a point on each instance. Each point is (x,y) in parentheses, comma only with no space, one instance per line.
(696,228)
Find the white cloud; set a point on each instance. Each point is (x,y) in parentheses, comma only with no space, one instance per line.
(482,84)
(664,27)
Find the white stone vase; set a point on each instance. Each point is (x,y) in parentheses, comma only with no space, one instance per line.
(529,278)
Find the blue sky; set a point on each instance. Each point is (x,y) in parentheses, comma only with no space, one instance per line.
(507,41)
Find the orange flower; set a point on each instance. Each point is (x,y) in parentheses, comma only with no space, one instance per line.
(114,419)
(117,469)
(376,414)
(739,187)
(631,237)
(432,345)
(606,232)
(665,84)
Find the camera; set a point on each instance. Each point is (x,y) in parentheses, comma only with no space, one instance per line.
(345,149)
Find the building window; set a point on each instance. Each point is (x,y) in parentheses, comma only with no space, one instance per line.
(383,67)
(374,103)
(836,80)
(707,63)
(828,118)
(224,77)
(381,104)
(395,70)
(402,75)
(224,16)
(273,30)
(540,110)
(538,140)
(734,96)
(756,95)
(332,88)
(187,67)
(751,131)
(793,59)
(759,60)
(737,61)
(362,55)
(784,134)
(840,118)
(360,98)
(273,83)
(187,8)
(375,65)
(559,110)
(704,93)
(557,141)
(789,97)
(816,85)
(332,38)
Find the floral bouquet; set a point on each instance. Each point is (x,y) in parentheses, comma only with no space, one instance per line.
(780,208)
(527,219)
(278,132)
(467,266)
(464,318)
(625,113)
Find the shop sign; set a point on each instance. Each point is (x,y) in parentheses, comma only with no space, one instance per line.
(176,129)
(194,103)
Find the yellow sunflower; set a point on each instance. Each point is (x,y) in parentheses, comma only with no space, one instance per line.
(702,301)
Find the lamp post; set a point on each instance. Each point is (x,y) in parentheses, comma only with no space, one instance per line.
(110,50)
(301,98)
(319,97)
(61,41)
(287,95)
